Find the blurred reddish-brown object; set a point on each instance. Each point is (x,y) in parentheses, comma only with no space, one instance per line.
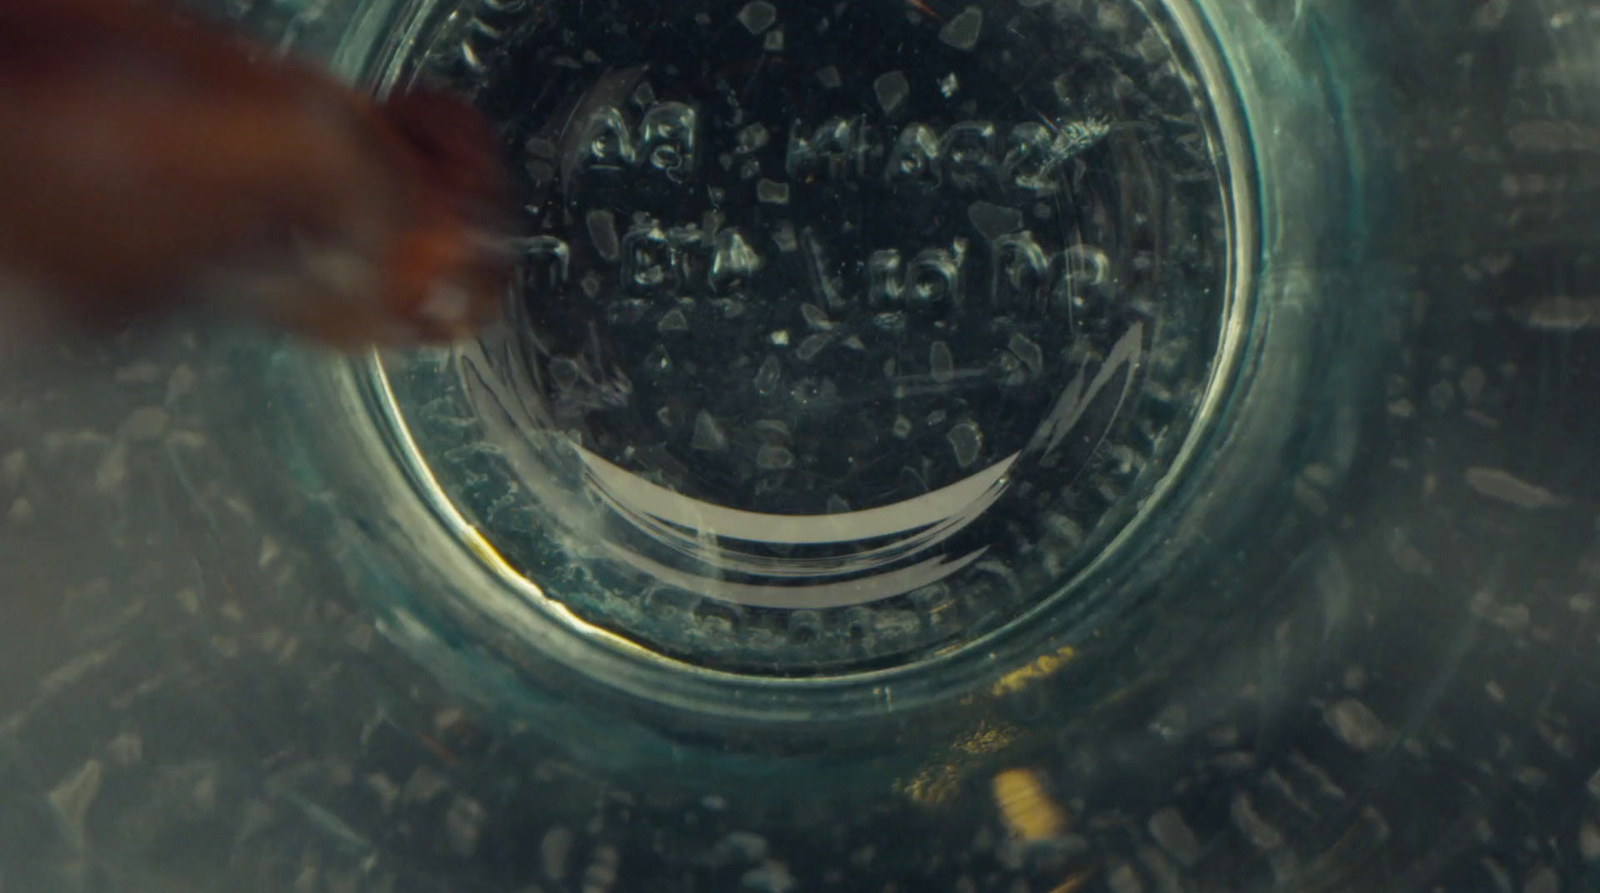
(148,163)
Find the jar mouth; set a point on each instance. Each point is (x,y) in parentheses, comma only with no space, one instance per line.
(854,379)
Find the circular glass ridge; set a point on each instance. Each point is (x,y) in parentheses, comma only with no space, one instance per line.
(857,369)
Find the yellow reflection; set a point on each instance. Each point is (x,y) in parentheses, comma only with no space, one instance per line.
(938,781)
(1026,808)
(1044,666)
(1074,883)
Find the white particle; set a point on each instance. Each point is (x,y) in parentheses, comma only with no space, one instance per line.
(13,466)
(144,423)
(139,373)
(423,785)
(126,749)
(602,227)
(1541,880)
(385,790)
(1064,528)
(270,550)
(758,16)
(816,318)
(553,850)
(113,471)
(745,845)
(1257,830)
(1175,836)
(784,236)
(774,428)
(673,321)
(967,441)
(1505,487)
(772,192)
(992,220)
(940,362)
(1027,351)
(891,90)
(1563,314)
(774,458)
(769,376)
(708,434)
(812,345)
(770,877)
(73,797)
(1123,879)
(1589,842)
(752,138)
(602,871)
(1356,725)
(1530,776)
(962,31)
(463,824)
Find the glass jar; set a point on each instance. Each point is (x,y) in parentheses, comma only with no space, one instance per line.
(1043,444)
